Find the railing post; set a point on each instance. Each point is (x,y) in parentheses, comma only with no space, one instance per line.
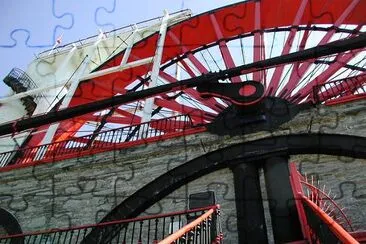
(153,128)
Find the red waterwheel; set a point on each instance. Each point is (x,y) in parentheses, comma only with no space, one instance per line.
(240,34)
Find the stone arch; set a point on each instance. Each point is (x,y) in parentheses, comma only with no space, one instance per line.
(9,225)
(252,151)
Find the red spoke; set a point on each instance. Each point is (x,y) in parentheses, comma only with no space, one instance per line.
(258,42)
(273,85)
(225,52)
(200,67)
(341,60)
(209,102)
(298,74)
(346,86)
(197,115)
(124,113)
(291,84)
(188,69)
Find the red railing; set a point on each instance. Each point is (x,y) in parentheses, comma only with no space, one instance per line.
(113,33)
(328,205)
(102,141)
(323,227)
(205,222)
(321,218)
(341,91)
(199,230)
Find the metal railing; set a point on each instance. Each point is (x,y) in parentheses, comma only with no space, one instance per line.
(115,32)
(105,139)
(22,78)
(204,229)
(147,229)
(322,227)
(327,204)
(338,90)
(322,220)
(20,81)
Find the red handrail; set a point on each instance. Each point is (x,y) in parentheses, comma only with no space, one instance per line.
(313,188)
(115,138)
(122,221)
(187,228)
(341,233)
(295,180)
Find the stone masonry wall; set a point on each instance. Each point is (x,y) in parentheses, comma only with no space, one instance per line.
(83,190)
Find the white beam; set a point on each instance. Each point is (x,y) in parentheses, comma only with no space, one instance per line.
(43,105)
(129,46)
(147,111)
(95,74)
(156,67)
(32,92)
(85,77)
(65,103)
(117,68)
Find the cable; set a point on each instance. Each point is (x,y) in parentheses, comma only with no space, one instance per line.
(207,50)
(82,61)
(242,54)
(205,61)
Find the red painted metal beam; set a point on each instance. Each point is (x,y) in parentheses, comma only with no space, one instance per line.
(346,99)
(298,191)
(187,68)
(200,67)
(197,115)
(345,85)
(258,49)
(209,102)
(225,52)
(277,74)
(341,60)
(297,74)
(337,230)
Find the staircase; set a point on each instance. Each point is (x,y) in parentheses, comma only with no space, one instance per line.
(201,226)
(322,220)
(20,82)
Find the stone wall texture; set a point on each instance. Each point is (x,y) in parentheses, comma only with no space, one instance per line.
(83,190)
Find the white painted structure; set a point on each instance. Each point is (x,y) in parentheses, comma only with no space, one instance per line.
(58,72)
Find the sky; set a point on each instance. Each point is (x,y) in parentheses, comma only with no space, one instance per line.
(28,27)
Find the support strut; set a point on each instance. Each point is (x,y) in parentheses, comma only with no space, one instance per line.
(249,206)
(285,221)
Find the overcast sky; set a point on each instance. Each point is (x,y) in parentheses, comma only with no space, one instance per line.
(28,27)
